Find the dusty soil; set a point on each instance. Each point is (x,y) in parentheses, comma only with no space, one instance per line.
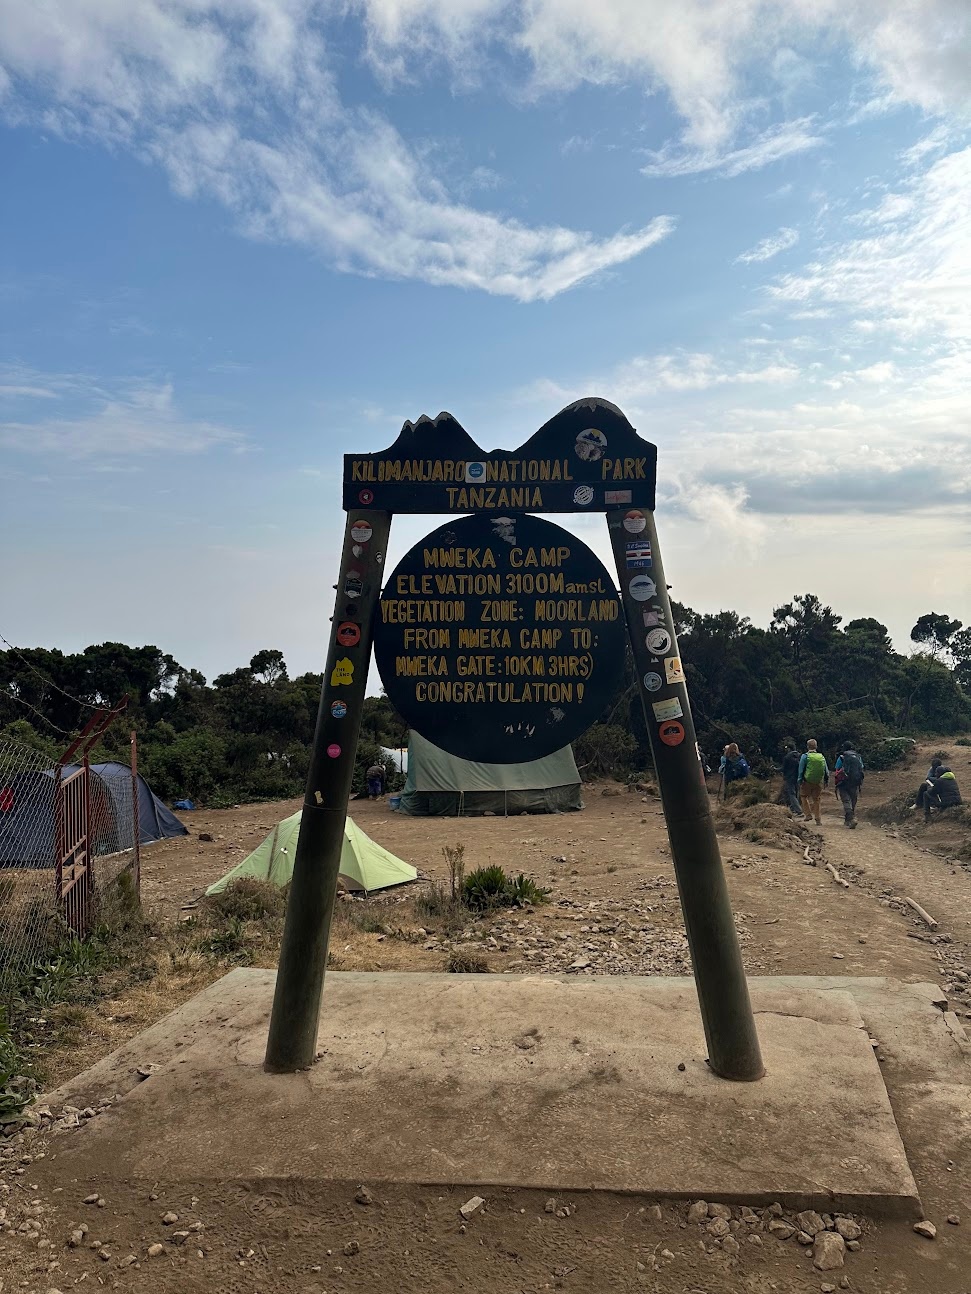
(613,909)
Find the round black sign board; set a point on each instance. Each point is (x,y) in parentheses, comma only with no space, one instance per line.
(500,639)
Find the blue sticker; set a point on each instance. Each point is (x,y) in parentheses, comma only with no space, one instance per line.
(338,709)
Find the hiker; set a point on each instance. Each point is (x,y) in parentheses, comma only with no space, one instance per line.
(932,772)
(733,767)
(813,775)
(375,782)
(849,779)
(790,777)
(940,791)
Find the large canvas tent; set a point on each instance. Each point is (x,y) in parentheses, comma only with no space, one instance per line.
(365,865)
(442,785)
(28,822)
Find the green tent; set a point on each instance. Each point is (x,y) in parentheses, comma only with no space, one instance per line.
(442,785)
(365,865)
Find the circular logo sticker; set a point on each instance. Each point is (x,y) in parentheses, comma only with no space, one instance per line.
(634,522)
(475,471)
(583,495)
(348,635)
(366,496)
(361,532)
(333,750)
(338,709)
(652,682)
(641,588)
(658,641)
(353,584)
(671,732)
(590,445)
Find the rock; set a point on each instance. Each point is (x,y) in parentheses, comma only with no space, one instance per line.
(655,1214)
(926,1229)
(104,1255)
(750,1216)
(682,1067)
(363,1196)
(550,1206)
(720,1211)
(718,1227)
(179,1237)
(755,1240)
(76,1238)
(828,1251)
(698,1211)
(804,1237)
(849,1229)
(146,1071)
(781,1230)
(828,1289)
(205,836)
(775,1210)
(581,963)
(954,1220)
(810,1221)
(351,1248)
(169,1218)
(156,1250)
(471,1206)
(731,1246)
(666,1253)
(844,1282)
(91,1199)
(854,1246)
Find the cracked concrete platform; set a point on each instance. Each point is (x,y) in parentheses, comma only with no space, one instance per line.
(556,1082)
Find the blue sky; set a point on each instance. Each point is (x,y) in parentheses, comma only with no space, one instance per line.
(240,237)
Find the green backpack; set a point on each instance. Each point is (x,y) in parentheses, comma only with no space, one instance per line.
(815,767)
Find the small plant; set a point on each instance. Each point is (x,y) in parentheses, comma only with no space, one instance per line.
(14,1090)
(490,887)
(524,890)
(455,858)
(227,944)
(247,899)
(962,741)
(434,901)
(466,964)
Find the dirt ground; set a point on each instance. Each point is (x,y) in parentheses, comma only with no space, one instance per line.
(613,909)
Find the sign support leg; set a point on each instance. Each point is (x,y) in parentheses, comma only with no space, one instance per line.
(292,1040)
(726,1011)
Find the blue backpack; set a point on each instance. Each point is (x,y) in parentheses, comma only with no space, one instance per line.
(736,768)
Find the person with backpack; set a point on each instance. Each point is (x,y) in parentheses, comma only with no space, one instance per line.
(813,776)
(942,791)
(849,779)
(790,777)
(920,801)
(733,767)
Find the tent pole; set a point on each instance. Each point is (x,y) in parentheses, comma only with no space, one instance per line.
(292,1041)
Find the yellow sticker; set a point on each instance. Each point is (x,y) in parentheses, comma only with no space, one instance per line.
(672,670)
(343,674)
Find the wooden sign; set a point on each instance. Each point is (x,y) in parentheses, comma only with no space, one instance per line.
(500,639)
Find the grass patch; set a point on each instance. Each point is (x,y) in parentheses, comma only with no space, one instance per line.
(247,899)
(748,791)
(462,963)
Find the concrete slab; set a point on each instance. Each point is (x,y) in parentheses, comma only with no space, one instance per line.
(544,1081)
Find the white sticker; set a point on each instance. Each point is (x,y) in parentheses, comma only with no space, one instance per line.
(653,682)
(672,670)
(583,495)
(658,641)
(669,709)
(641,588)
(590,445)
(361,531)
(634,522)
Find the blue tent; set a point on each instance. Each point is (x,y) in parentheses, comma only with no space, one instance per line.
(28,818)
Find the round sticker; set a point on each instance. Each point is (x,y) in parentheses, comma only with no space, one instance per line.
(353,584)
(641,588)
(333,750)
(590,445)
(658,641)
(366,496)
(652,682)
(671,732)
(338,709)
(583,495)
(634,522)
(475,471)
(361,532)
(348,635)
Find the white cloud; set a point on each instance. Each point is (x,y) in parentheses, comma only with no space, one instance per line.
(771,146)
(125,418)
(769,247)
(235,98)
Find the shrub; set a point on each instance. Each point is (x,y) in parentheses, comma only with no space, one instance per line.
(490,887)
(748,791)
(962,741)
(247,899)
(14,1091)
(466,964)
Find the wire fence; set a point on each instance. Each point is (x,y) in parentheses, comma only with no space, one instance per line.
(68,856)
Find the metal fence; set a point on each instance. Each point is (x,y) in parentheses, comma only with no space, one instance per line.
(68,855)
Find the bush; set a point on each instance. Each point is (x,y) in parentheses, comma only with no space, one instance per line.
(247,899)
(490,887)
(14,1091)
(962,741)
(748,791)
(466,964)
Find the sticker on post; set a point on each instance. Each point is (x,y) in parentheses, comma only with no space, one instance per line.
(617,496)
(353,584)
(342,674)
(348,634)
(672,670)
(366,496)
(475,472)
(642,588)
(583,495)
(333,750)
(658,641)
(651,619)
(638,554)
(634,521)
(591,445)
(670,708)
(653,682)
(338,709)
(671,733)
(361,531)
